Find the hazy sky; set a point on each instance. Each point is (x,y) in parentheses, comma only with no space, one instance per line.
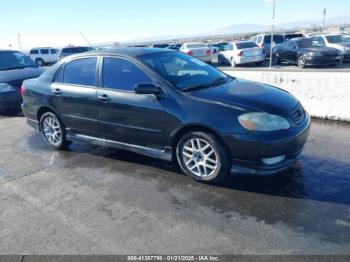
(58,22)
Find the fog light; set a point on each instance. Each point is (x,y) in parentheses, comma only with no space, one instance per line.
(273,160)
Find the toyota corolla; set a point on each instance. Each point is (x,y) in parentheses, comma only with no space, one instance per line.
(168,105)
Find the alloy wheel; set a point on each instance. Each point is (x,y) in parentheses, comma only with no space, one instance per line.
(52,130)
(200,157)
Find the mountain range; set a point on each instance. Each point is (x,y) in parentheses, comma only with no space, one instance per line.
(251,28)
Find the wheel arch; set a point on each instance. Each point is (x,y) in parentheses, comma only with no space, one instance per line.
(44,109)
(178,134)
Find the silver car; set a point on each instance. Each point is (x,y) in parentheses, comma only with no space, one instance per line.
(243,52)
(337,41)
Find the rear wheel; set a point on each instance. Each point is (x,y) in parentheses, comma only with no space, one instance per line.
(203,157)
(39,61)
(301,61)
(53,131)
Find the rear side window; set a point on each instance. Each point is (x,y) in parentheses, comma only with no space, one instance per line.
(44,51)
(53,51)
(122,74)
(34,52)
(79,72)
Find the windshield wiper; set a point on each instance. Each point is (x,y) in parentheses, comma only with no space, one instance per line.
(194,87)
(216,81)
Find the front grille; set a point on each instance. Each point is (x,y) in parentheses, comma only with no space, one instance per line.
(297,115)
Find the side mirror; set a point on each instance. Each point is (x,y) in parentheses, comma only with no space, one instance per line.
(147,89)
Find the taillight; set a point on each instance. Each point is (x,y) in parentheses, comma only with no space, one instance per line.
(241,53)
(208,52)
(23,90)
(190,52)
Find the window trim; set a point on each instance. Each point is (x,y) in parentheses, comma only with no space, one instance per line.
(133,61)
(62,67)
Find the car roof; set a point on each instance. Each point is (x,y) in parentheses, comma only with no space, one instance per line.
(44,47)
(130,51)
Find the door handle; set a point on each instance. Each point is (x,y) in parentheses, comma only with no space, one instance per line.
(104,98)
(56,91)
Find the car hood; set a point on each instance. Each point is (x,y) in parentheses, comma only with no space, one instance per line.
(250,96)
(321,49)
(20,74)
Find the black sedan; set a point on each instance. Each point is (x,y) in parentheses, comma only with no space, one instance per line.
(168,105)
(15,67)
(306,52)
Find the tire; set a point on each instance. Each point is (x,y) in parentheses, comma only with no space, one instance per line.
(40,61)
(301,62)
(232,62)
(53,131)
(203,157)
(277,60)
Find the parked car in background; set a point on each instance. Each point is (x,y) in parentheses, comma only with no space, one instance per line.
(44,55)
(72,50)
(174,47)
(15,67)
(307,52)
(198,50)
(338,41)
(264,41)
(160,45)
(244,52)
(212,124)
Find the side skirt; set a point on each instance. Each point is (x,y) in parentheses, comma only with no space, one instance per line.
(165,154)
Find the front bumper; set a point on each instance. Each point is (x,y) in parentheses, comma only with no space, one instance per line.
(249,150)
(323,60)
(10,100)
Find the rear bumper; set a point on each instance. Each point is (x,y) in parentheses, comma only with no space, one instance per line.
(247,60)
(250,151)
(10,100)
(205,58)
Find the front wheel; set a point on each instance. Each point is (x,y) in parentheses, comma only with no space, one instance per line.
(203,157)
(53,131)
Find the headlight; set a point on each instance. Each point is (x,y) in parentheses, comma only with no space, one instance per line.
(314,54)
(263,122)
(4,87)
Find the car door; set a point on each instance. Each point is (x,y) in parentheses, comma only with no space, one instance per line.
(124,115)
(73,96)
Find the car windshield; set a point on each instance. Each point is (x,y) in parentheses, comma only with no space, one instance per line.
(244,45)
(334,39)
(309,43)
(183,71)
(15,60)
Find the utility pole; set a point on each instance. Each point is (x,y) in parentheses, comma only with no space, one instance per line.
(19,41)
(324,18)
(272,30)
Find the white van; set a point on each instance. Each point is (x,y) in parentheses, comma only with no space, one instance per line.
(44,55)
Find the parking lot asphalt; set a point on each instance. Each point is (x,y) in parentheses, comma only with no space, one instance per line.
(91,200)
